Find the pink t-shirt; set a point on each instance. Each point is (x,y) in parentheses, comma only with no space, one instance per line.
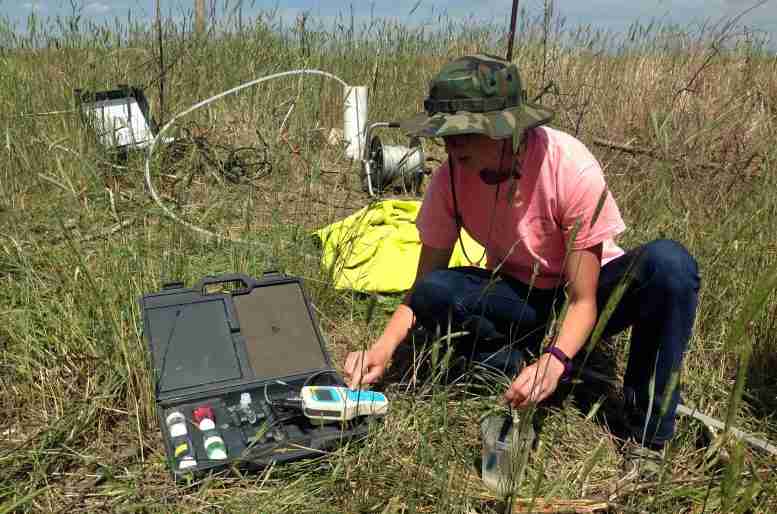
(561,182)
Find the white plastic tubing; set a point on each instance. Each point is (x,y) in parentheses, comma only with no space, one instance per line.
(356,118)
(355,121)
(712,423)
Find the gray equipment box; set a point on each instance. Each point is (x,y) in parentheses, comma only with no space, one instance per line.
(241,347)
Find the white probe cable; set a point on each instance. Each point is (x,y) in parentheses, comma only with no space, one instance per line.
(210,100)
(719,425)
(699,416)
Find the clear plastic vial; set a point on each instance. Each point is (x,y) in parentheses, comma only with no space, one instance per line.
(505,451)
(248,413)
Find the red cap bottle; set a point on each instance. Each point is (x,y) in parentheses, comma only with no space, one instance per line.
(201,413)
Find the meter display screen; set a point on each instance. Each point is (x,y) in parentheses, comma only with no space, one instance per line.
(324,395)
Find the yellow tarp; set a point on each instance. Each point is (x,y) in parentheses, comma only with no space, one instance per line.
(376,249)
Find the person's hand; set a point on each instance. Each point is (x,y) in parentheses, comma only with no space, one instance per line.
(535,382)
(365,367)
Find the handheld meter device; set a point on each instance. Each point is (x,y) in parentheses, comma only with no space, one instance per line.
(336,403)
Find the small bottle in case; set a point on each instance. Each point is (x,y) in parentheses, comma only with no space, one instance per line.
(183,451)
(214,445)
(247,412)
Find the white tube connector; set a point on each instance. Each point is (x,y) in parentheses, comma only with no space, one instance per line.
(355,121)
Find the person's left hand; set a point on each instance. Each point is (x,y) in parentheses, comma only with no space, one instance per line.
(535,382)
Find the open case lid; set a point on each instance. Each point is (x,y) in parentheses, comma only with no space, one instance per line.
(230,331)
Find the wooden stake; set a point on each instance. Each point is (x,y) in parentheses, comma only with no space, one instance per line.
(160,39)
(199,17)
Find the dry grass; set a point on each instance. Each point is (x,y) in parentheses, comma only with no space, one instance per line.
(696,116)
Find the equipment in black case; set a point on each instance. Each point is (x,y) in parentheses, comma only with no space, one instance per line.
(231,356)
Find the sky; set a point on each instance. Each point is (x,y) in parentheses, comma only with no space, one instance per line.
(614,15)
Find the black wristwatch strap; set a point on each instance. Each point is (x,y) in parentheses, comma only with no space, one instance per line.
(563,358)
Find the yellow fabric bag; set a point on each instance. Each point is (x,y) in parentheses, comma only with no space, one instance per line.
(376,249)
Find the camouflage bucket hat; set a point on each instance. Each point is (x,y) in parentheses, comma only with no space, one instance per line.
(477,94)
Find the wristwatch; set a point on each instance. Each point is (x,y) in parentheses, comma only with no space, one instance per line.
(566,361)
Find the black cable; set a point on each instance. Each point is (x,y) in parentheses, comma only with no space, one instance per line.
(232,162)
(318,374)
(460,220)
(308,380)
(457,216)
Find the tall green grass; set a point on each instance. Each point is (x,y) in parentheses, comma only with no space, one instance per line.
(78,430)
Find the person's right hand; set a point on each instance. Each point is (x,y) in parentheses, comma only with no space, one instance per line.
(365,367)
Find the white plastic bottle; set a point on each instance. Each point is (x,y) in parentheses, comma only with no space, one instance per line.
(247,412)
(183,451)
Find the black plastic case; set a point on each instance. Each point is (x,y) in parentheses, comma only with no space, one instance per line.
(232,334)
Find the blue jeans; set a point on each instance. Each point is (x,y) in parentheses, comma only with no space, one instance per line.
(504,317)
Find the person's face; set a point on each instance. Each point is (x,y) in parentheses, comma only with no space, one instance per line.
(476,152)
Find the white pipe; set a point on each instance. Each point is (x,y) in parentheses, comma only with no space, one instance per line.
(719,425)
(699,416)
(355,121)
(210,100)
